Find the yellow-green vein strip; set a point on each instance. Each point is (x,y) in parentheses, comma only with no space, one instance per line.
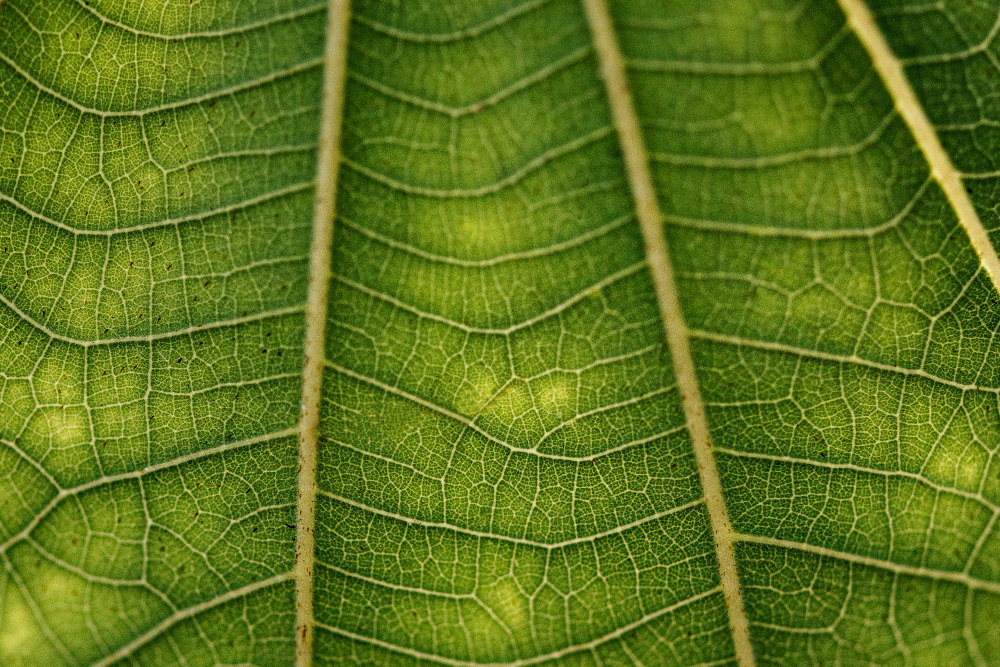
(633,148)
(860,18)
(334,75)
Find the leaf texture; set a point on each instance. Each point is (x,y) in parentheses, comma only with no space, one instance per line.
(509,469)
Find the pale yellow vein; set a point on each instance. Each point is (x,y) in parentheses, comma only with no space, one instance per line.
(334,76)
(860,18)
(636,158)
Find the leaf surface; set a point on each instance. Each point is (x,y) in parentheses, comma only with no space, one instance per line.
(669,340)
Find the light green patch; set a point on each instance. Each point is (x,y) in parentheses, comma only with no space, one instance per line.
(65,600)
(476,392)
(536,404)
(22,639)
(18,401)
(555,396)
(58,379)
(956,466)
(509,603)
(59,439)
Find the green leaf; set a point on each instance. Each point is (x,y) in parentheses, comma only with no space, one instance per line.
(534,333)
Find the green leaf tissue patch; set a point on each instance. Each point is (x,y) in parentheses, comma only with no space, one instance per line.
(549,332)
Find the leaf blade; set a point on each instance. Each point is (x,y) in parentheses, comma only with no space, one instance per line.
(504,472)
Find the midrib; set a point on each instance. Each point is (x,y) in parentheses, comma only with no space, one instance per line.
(647,209)
(861,21)
(334,75)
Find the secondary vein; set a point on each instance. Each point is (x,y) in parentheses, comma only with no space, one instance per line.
(860,18)
(328,162)
(636,158)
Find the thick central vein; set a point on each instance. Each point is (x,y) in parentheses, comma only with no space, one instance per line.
(650,220)
(335,69)
(860,18)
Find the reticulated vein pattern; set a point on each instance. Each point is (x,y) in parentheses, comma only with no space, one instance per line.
(504,472)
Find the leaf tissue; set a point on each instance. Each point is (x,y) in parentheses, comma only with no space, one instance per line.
(499,332)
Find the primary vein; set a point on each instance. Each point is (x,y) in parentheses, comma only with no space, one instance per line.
(661,271)
(328,162)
